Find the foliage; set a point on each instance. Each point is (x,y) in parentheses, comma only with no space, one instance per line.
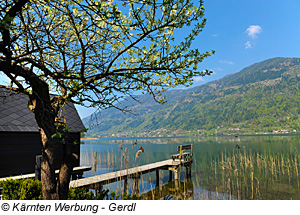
(81,193)
(11,188)
(94,53)
(24,189)
(129,197)
(82,134)
(31,190)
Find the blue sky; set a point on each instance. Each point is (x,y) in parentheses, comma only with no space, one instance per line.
(244,32)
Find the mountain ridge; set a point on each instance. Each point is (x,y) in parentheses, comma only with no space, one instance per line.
(260,98)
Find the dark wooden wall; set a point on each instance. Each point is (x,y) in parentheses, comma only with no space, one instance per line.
(19,149)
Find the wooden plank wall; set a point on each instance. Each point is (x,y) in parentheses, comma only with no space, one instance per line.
(19,149)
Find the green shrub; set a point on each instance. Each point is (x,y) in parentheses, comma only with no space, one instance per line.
(10,189)
(79,194)
(31,190)
(129,197)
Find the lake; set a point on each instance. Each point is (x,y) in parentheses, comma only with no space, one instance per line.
(224,167)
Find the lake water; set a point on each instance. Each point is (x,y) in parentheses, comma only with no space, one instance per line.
(116,154)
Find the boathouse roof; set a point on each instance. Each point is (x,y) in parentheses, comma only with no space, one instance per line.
(16,117)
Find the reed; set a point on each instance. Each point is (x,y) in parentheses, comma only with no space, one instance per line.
(231,174)
(247,175)
(124,157)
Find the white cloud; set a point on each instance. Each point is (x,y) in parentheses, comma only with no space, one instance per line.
(225,61)
(248,45)
(198,78)
(180,88)
(253,31)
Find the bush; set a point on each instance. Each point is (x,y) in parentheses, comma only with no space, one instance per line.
(79,194)
(129,197)
(31,190)
(24,189)
(10,189)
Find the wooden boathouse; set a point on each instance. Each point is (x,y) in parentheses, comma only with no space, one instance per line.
(20,140)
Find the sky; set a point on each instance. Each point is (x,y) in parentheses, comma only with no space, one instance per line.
(243,32)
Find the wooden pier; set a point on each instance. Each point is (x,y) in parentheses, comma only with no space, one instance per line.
(77,171)
(174,165)
(97,182)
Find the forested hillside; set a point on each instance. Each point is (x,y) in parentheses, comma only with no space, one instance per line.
(260,98)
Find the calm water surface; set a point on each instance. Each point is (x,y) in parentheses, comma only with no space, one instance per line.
(115,154)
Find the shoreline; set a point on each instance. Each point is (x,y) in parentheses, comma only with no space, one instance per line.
(157,137)
(88,138)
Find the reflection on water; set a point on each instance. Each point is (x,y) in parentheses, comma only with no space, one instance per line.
(117,154)
(182,190)
(172,190)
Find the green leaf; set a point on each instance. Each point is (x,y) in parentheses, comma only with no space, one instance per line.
(8,18)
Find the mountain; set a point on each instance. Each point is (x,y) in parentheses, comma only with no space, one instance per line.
(260,98)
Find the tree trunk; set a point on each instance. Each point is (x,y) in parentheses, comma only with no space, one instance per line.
(53,188)
(46,110)
(49,156)
(66,168)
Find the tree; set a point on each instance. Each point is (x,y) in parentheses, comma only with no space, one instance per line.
(93,53)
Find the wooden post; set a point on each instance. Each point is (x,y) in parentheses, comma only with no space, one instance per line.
(95,161)
(177,173)
(157,177)
(98,187)
(38,163)
(126,186)
(177,186)
(187,170)
(136,185)
(170,175)
(190,170)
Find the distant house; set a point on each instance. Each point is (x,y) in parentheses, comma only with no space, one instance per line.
(20,140)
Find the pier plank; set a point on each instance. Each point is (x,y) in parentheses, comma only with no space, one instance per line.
(134,172)
(76,170)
